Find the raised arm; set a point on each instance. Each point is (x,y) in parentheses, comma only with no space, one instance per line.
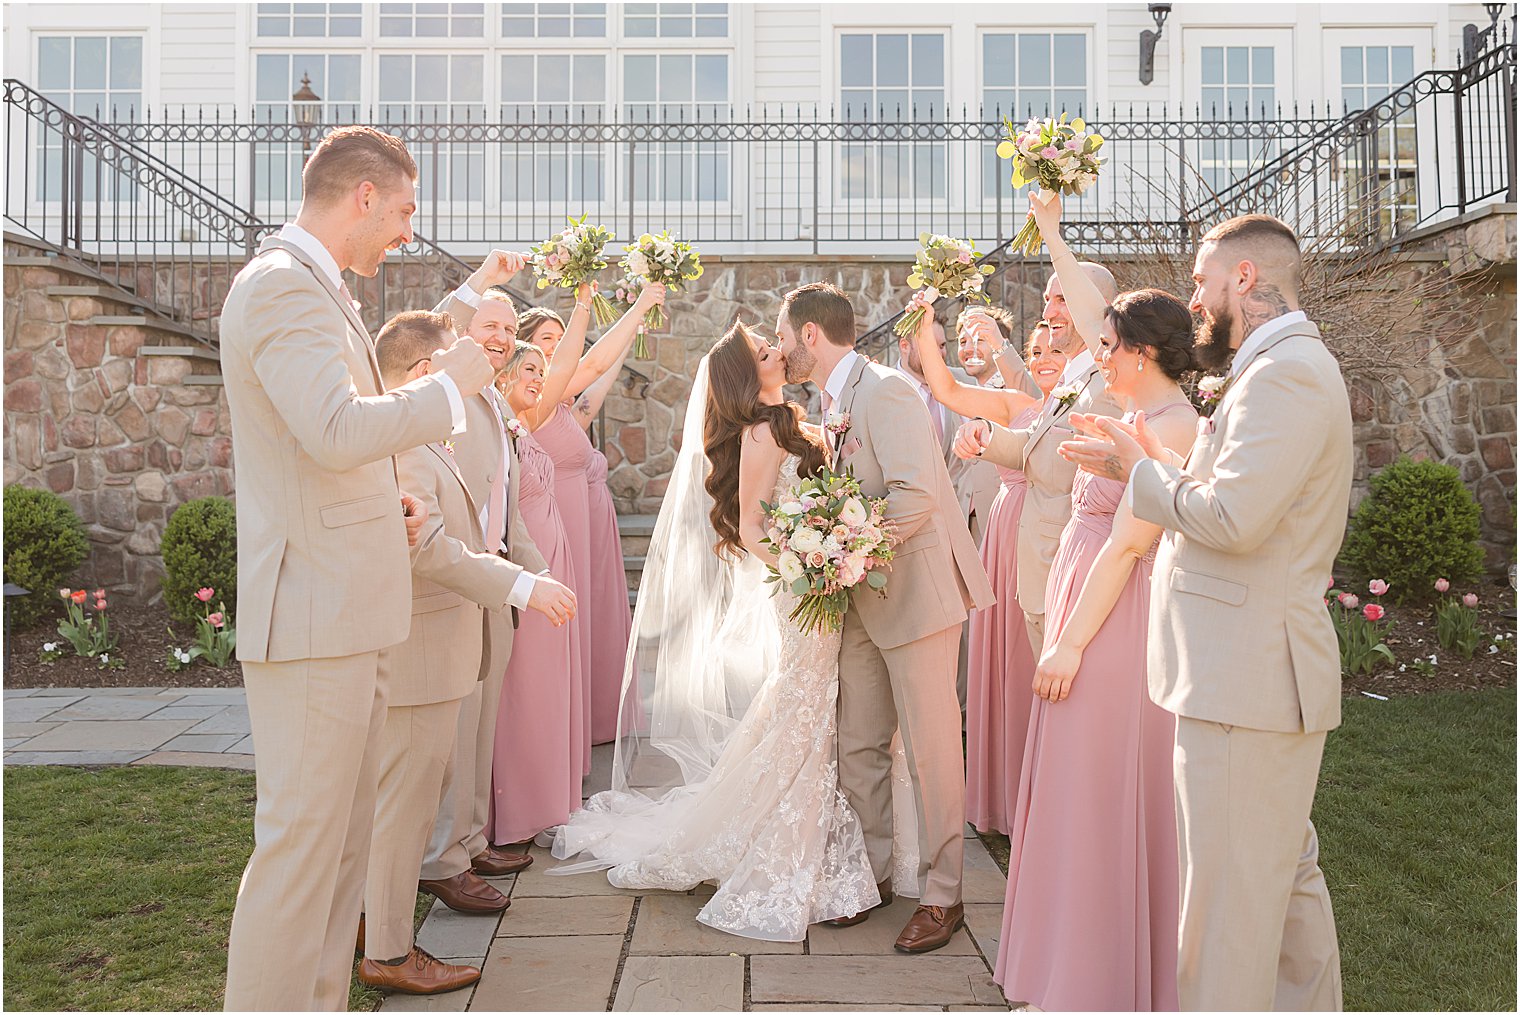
(760,459)
(1130,539)
(589,402)
(967,400)
(296,338)
(611,349)
(567,358)
(1084,303)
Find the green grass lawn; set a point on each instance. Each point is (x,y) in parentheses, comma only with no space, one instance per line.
(119,883)
(119,886)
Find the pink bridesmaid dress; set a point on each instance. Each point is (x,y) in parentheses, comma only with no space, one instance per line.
(536,764)
(570,449)
(1090,919)
(611,620)
(999,667)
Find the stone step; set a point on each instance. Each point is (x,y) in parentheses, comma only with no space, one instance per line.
(118,320)
(99,292)
(210,380)
(634,532)
(188,351)
(34,261)
(633,570)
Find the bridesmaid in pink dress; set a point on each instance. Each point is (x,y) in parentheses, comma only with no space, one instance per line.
(536,776)
(999,664)
(1090,918)
(576,395)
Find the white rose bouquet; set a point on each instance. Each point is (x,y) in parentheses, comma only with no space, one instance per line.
(830,538)
(658,258)
(572,257)
(1061,157)
(944,267)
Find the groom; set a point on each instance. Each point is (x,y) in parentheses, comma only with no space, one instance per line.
(898,657)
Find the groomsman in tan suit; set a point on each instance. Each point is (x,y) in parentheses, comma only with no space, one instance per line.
(1241,648)
(1033,450)
(458,853)
(322,558)
(455,580)
(897,660)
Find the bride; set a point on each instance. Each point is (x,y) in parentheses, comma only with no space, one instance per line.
(724,770)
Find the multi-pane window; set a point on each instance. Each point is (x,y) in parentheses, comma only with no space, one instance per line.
(438,88)
(309,21)
(892,77)
(432,21)
(554,88)
(1029,74)
(1381,174)
(1238,83)
(683,87)
(554,21)
(96,76)
(675,21)
(335,78)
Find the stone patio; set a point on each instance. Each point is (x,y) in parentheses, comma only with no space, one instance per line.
(569,943)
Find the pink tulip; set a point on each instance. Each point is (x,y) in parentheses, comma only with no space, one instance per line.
(1329,584)
(1470,600)
(1049,152)
(1377,586)
(204,595)
(1349,601)
(1327,602)
(1442,585)
(215,620)
(1373,612)
(100,593)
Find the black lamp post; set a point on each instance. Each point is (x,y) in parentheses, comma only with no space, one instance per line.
(308,110)
(1148,40)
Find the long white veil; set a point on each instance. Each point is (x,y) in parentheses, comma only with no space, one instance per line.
(704,639)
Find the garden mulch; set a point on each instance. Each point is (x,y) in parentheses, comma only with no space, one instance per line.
(144,645)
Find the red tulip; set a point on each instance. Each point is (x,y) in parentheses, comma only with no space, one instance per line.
(79,595)
(204,595)
(1373,612)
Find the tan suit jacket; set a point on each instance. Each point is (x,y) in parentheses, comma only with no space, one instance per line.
(320,536)
(1239,633)
(453,577)
(1047,498)
(936,576)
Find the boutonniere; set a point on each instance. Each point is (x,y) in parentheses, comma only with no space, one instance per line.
(837,423)
(1065,395)
(447,446)
(515,429)
(1211,391)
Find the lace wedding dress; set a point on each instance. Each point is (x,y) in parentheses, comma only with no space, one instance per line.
(769,825)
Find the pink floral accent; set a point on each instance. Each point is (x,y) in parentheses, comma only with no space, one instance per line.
(1442,585)
(1329,584)
(1349,601)
(1470,600)
(1373,612)
(204,595)
(216,620)
(516,429)
(1377,586)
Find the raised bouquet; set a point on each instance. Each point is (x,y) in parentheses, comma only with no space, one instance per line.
(658,258)
(1061,157)
(944,267)
(829,538)
(572,257)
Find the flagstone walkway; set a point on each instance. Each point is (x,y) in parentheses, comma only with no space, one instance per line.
(570,943)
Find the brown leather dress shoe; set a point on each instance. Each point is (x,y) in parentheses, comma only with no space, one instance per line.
(419,974)
(493,862)
(466,893)
(930,927)
(884,889)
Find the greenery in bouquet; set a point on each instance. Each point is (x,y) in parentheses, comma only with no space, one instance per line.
(1061,157)
(829,539)
(572,257)
(944,267)
(658,258)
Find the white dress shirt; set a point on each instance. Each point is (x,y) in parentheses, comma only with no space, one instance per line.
(834,387)
(1078,366)
(318,252)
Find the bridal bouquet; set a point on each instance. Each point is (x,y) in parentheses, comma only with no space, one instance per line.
(830,538)
(944,267)
(658,259)
(572,257)
(1061,157)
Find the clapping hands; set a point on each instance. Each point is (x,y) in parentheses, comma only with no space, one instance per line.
(1110,447)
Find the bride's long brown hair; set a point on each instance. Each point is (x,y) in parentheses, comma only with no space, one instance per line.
(733,406)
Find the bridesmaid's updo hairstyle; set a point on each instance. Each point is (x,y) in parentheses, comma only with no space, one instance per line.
(733,409)
(530,320)
(520,351)
(1150,321)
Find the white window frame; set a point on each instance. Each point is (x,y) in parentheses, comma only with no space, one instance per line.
(364,14)
(379,15)
(612,16)
(675,43)
(1286,69)
(608,152)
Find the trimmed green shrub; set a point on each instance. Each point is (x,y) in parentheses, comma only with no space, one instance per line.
(1420,523)
(44,546)
(200,551)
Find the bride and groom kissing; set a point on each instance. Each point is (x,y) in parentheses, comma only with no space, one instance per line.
(795,820)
